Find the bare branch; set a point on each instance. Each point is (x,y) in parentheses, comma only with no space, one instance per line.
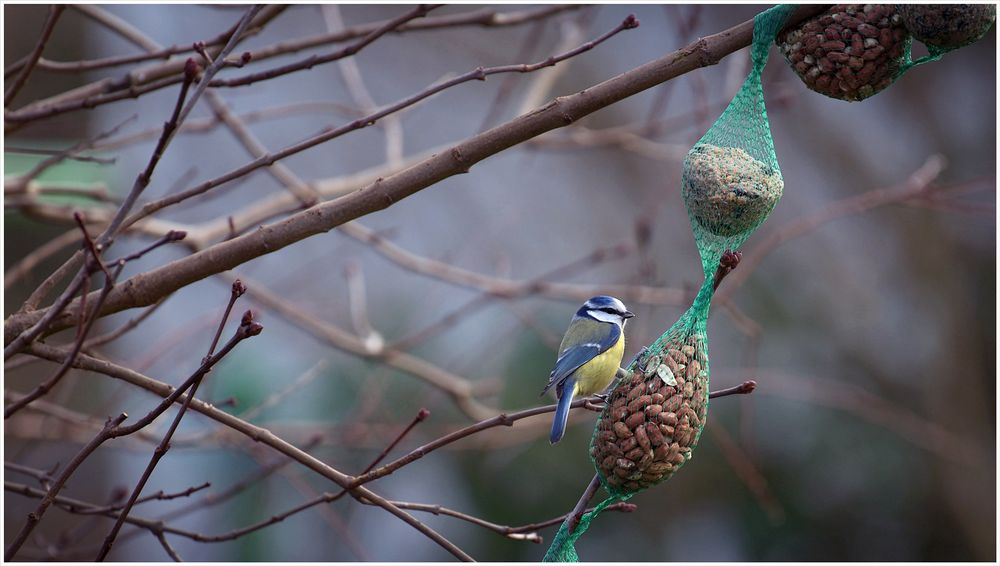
(50,23)
(247,329)
(310,62)
(148,287)
(36,516)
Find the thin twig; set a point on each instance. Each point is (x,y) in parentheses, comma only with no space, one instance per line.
(158,496)
(247,329)
(36,516)
(47,152)
(458,159)
(85,326)
(216,498)
(256,433)
(50,23)
(744,388)
(151,79)
(47,385)
(162,538)
(104,240)
(479,73)
(310,62)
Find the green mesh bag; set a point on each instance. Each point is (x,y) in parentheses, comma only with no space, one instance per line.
(853,51)
(731,180)
(654,416)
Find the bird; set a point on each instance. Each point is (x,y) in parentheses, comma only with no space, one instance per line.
(589,355)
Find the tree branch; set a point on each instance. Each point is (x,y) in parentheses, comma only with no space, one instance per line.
(146,288)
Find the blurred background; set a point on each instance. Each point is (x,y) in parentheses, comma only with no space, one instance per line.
(869,325)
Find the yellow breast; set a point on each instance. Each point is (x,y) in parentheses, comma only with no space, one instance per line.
(595,375)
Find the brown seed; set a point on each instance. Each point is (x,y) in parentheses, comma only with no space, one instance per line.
(668,418)
(668,433)
(635,454)
(835,45)
(866,72)
(855,63)
(857,44)
(838,57)
(650,477)
(657,398)
(681,435)
(687,350)
(619,414)
(677,459)
(640,403)
(622,430)
(645,461)
(606,436)
(868,30)
(677,355)
(653,410)
(688,389)
(832,33)
(628,444)
(636,392)
(661,452)
(660,467)
(850,22)
(673,403)
(622,472)
(634,420)
(873,53)
(612,448)
(671,363)
(884,37)
(642,438)
(653,434)
(608,463)
(693,369)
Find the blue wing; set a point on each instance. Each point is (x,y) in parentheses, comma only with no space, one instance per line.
(590,338)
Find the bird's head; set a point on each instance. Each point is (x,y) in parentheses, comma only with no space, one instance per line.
(605,309)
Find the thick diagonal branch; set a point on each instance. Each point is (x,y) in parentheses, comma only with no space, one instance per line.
(146,288)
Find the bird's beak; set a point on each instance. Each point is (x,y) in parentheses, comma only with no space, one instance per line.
(627,314)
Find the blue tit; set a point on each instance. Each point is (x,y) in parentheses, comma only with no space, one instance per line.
(589,355)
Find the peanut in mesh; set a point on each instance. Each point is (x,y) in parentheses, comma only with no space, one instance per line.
(650,426)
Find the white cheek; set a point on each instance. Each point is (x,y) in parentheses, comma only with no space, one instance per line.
(605,317)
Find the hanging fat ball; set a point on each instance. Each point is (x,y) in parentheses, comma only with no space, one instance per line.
(726,190)
(947,26)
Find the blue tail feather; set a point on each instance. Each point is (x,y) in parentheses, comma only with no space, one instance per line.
(562,410)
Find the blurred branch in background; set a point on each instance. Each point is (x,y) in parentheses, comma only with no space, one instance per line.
(459,288)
